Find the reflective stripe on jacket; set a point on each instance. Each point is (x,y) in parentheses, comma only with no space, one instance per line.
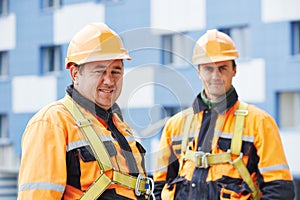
(49,138)
(262,153)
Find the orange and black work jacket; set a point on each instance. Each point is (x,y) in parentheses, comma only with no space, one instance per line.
(262,153)
(57,161)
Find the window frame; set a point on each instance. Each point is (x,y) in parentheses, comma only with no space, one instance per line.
(4,134)
(176,49)
(295,46)
(51,59)
(288,109)
(4,8)
(4,63)
(46,4)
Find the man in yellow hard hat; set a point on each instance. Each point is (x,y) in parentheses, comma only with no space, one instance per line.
(221,147)
(78,147)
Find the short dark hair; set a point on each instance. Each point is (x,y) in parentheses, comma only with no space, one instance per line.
(233,63)
(80,68)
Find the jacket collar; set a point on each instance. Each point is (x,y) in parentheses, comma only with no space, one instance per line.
(87,104)
(231,98)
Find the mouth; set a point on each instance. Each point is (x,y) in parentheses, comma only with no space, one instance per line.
(217,84)
(106,91)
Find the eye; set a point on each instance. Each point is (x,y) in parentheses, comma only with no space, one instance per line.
(99,71)
(208,69)
(117,71)
(223,68)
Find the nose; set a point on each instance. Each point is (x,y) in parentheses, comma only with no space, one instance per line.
(216,73)
(108,78)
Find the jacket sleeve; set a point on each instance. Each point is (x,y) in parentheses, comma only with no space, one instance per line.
(167,161)
(43,165)
(275,178)
(278,190)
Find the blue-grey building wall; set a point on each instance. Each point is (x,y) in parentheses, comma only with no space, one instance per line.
(132,19)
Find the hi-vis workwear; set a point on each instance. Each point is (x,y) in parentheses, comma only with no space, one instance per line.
(58,162)
(208,169)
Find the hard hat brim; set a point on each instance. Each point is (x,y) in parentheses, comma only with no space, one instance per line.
(98,57)
(214,59)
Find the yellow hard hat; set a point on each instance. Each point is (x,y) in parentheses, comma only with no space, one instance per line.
(95,42)
(214,46)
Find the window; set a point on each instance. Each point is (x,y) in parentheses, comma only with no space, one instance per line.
(240,36)
(169,111)
(3,127)
(3,7)
(51,4)
(51,59)
(3,63)
(289,109)
(177,49)
(167,49)
(296,38)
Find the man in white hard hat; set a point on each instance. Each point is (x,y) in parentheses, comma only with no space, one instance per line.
(78,147)
(221,147)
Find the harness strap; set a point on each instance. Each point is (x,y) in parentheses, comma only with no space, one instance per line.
(97,188)
(141,184)
(204,160)
(97,146)
(185,132)
(243,171)
(236,147)
(236,142)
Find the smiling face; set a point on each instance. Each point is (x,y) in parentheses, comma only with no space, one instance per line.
(100,81)
(216,78)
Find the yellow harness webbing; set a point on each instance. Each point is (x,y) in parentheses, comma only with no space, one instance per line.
(186,128)
(204,159)
(141,184)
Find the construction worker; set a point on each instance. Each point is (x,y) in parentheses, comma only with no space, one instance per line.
(79,147)
(221,147)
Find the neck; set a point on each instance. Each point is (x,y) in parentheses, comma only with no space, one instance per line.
(213,102)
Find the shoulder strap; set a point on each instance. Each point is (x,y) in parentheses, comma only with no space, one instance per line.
(185,130)
(85,125)
(236,142)
(236,146)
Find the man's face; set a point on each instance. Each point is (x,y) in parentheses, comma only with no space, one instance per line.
(216,78)
(100,81)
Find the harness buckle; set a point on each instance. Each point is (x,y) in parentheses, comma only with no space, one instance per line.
(83,123)
(241,112)
(203,156)
(239,157)
(149,185)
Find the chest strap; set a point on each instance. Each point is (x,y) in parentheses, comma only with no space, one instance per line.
(141,185)
(232,156)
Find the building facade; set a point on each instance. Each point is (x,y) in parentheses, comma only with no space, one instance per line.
(160,80)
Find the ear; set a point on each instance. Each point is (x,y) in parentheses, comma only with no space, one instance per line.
(234,70)
(74,71)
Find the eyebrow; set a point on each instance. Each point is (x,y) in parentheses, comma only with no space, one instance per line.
(223,66)
(118,67)
(100,66)
(216,66)
(104,67)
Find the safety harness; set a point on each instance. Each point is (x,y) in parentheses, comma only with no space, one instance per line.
(232,156)
(141,185)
